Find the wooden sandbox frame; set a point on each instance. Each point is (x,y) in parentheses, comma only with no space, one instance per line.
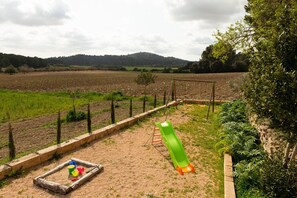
(63,189)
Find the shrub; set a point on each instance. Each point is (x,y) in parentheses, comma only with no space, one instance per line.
(115,95)
(73,116)
(233,112)
(10,70)
(277,181)
(240,140)
(247,177)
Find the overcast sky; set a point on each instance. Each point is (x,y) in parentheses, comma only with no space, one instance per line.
(179,28)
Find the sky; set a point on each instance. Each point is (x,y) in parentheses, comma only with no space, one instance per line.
(178,28)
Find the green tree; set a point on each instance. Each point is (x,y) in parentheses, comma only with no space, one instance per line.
(11,145)
(145,79)
(10,70)
(268,35)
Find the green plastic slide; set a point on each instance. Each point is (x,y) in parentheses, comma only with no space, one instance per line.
(174,145)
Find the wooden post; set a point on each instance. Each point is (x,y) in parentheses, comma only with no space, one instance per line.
(213,96)
(144,100)
(209,105)
(155,101)
(11,145)
(89,120)
(112,114)
(172,91)
(164,98)
(59,128)
(175,97)
(131,108)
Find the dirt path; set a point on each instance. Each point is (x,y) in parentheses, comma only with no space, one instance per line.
(132,168)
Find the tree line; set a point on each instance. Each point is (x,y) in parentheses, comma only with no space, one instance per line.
(18,61)
(234,62)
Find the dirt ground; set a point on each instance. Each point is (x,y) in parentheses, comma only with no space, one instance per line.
(132,167)
(107,81)
(39,132)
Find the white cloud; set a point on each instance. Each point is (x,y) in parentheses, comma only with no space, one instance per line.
(180,28)
(210,12)
(33,13)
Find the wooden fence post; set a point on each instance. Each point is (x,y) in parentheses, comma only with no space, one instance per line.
(213,96)
(155,101)
(172,91)
(164,98)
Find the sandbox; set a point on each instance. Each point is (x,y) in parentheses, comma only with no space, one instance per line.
(64,185)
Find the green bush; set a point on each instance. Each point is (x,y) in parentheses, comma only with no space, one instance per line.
(10,70)
(73,116)
(247,177)
(240,140)
(116,96)
(233,112)
(255,174)
(277,181)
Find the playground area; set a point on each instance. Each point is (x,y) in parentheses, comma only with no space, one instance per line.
(133,167)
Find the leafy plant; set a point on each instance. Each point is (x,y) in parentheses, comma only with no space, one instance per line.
(116,96)
(10,70)
(233,112)
(73,116)
(247,175)
(276,180)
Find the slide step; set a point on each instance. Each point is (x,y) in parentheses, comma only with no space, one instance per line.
(157,140)
(157,134)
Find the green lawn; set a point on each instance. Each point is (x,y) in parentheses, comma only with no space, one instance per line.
(30,104)
(204,135)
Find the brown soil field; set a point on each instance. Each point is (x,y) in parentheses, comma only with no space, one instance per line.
(132,167)
(107,81)
(40,132)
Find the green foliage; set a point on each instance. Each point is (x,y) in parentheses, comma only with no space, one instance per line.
(256,175)
(240,140)
(145,78)
(209,62)
(116,96)
(130,108)
(277,181)
(112,112)
(233,112)
(73,116)
(268,36)
(89,124)
(31,104)
(247,175)
(10,70)
(11,145)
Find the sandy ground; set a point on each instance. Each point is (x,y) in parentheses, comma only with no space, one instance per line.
(132,168)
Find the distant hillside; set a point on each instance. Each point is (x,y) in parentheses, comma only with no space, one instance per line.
(137,59)
(19,60)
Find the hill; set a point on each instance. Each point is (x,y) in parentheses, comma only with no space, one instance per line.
(137,59)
